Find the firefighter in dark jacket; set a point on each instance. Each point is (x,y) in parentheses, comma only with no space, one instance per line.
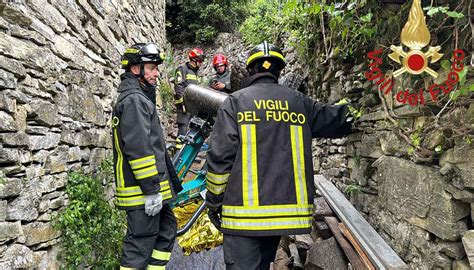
(221,80)
(186,74)
(145,177)
(260,169)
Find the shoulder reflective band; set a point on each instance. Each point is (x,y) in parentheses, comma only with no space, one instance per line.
(249,165)
(297,151)
(260,54)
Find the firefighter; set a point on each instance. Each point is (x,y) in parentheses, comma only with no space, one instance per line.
(260,169)
(145,178)
(186,74)
(221,80)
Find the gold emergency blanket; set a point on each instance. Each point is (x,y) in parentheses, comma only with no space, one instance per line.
(202,235)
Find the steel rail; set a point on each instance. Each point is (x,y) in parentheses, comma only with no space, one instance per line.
(378,251)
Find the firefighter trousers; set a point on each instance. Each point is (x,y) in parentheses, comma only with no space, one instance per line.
(149,240)
(249,253)
(183,121)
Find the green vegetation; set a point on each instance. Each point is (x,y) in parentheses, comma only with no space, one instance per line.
(353,188)
(340,28)
(190,21)
(92,229)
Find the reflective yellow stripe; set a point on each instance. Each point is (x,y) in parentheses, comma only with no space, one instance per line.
(161,255)
(145,173)
(297,150)
(217,178)
(215,189)
(119,167)
(127,268)
(138,161)
(131,201)
(249,165)
(164,184)
(129,191)
(267,223)
(191,77)
(166,194)
(178,101)
(132,50)
(259,54)
(155,267)
(267,210)
(143,165)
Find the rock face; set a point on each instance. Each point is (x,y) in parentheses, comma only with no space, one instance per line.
(59,69)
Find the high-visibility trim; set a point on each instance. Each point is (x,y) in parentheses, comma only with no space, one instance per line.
(127,268)
(131,201)
(297,151)
(129,191)
(164,184)
(249,165)
(155,267)
(145,173)
(166,194)
(178,101)
(215,189)
(119,167)
(267,210)
(259,54)
(132,50)
(255,224)
(161,255)
(140,161)
(217,179)
(143,165)
(191,77)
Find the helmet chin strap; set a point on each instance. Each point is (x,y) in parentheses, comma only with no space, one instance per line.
(142,78)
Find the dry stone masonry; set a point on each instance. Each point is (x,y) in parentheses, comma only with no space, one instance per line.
(59,69)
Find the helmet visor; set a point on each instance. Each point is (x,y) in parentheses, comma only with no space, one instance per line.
(149,49)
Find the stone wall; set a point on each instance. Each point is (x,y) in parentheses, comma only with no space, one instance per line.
(420,205)
(408,169)
(59,69)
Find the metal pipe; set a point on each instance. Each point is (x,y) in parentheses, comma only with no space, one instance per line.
(191,221)
(202,101)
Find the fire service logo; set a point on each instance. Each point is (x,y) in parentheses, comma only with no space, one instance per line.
(416,36)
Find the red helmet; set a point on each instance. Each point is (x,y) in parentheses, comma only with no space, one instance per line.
(219,59)
(196,54)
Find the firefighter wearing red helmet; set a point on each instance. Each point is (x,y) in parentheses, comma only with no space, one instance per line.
(221,80)
(185,75)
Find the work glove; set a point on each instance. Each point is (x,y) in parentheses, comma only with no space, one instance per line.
(153,204)
(354,113)
(215,215)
